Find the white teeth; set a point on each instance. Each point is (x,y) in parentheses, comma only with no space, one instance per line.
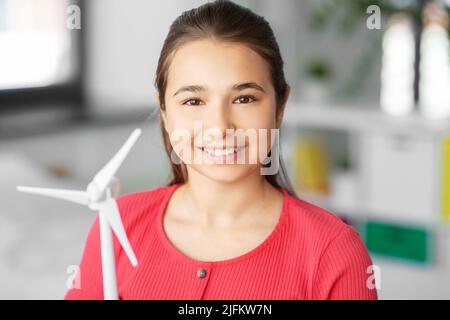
(221,152)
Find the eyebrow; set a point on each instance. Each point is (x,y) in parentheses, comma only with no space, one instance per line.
(236,87)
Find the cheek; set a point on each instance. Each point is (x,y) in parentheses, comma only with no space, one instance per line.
(259,145)
(262,125)
(260,116)
(181,137)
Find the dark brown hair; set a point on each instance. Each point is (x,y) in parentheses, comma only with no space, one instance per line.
(225,21)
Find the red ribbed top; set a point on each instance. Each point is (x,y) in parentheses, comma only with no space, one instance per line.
(310,254)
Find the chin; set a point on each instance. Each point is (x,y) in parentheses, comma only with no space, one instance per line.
(228,173)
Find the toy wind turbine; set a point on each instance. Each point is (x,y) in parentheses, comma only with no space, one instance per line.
(100,196)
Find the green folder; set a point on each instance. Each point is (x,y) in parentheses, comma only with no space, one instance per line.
(399,241)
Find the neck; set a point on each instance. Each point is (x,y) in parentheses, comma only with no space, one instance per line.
(214,203)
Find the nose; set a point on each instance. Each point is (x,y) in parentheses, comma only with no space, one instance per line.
(220,119)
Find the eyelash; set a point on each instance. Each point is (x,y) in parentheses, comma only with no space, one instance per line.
(245,96)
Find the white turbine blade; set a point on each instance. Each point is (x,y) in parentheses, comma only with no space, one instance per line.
(76,196)
(104,176)
(111,211)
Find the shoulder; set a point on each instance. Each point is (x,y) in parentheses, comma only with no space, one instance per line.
(308,216)
(336,253)
(317,227)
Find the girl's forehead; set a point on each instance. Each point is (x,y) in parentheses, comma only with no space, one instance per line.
(218,62)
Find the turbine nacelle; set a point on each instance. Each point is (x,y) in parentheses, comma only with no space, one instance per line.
(96,195)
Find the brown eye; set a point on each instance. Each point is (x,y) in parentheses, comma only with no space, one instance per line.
(192,102)
(245,99)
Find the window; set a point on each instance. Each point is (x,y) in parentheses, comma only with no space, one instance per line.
(37,50)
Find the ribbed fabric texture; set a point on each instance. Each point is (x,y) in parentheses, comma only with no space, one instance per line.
(310,254)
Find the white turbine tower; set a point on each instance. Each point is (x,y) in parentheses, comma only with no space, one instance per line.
(100,196)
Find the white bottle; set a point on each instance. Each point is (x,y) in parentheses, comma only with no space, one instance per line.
(397,69)
(434,83)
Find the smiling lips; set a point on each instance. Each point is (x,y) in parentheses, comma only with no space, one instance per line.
(221,153)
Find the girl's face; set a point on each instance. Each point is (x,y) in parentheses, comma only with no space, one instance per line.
(213,89)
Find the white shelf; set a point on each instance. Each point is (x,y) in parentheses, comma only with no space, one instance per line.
(360,118)
(396,180)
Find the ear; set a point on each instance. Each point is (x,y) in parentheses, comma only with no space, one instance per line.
(161,111)
(279,119)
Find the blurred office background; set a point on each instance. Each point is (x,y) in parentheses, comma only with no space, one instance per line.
(366,131)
